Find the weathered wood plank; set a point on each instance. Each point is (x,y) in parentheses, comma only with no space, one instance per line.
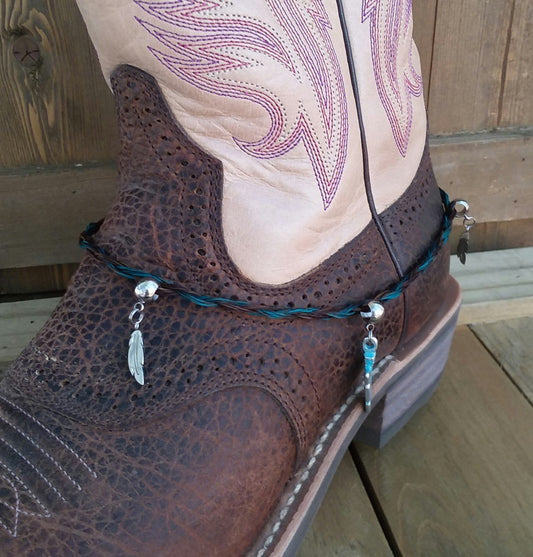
(495,285)
(468,59)
(484,312)
(496,275)
(44,210)
(19,322)
(493,171)
(510,343)
(345,525)
(457,479)
(32,280)
(517,100)
(57,110)
(494,236)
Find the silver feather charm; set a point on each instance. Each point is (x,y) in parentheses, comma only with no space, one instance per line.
(136,356)
(145,292)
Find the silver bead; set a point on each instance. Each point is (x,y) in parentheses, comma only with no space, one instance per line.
(461,207)
(146,290)
(375,312)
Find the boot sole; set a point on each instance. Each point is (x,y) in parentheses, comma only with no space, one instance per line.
(404,381)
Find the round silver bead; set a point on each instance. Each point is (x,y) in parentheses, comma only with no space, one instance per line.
(375,312)
(461,207)
(146,290)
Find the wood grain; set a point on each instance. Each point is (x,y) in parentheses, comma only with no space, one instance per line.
(468,60)
(44,210)
(457,479)
(484,312)
(516,99)
(495,275)
(32,280)
(19,322)
(345,525)
(510,343)
(491,170)
(60,110)
(494,236)
(495,285)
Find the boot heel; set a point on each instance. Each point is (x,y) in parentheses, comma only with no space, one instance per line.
(409,393)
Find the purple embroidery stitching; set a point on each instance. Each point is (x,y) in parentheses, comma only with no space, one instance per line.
(396,78)
(219,43)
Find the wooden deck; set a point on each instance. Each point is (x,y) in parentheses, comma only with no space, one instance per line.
(458,479)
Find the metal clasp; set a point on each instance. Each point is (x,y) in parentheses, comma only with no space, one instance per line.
(461,208)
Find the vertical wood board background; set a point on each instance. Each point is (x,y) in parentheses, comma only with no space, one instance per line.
(59,110)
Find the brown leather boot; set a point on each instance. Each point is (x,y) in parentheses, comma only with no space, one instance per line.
(266,241)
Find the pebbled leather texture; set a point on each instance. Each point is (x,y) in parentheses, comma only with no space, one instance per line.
(415,219)
(193,462)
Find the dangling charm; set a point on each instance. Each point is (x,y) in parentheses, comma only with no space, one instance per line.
(145,292)
(136,356)
(370,347)
(461,209)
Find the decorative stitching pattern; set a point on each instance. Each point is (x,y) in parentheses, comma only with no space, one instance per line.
(43,479)
(17,508)
(53,435)
(35,469)
(218,44)
(392,48)
(43,451)
(313,459)
(32,495)
(45,513)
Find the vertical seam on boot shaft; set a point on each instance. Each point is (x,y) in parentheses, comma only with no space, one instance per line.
(364,146)
(366,170)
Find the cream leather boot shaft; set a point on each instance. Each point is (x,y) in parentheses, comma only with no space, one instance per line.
(265,86)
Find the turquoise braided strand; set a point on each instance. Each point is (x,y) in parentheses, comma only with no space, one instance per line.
(279,313)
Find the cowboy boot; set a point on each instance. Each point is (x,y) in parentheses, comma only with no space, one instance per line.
(271,281)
